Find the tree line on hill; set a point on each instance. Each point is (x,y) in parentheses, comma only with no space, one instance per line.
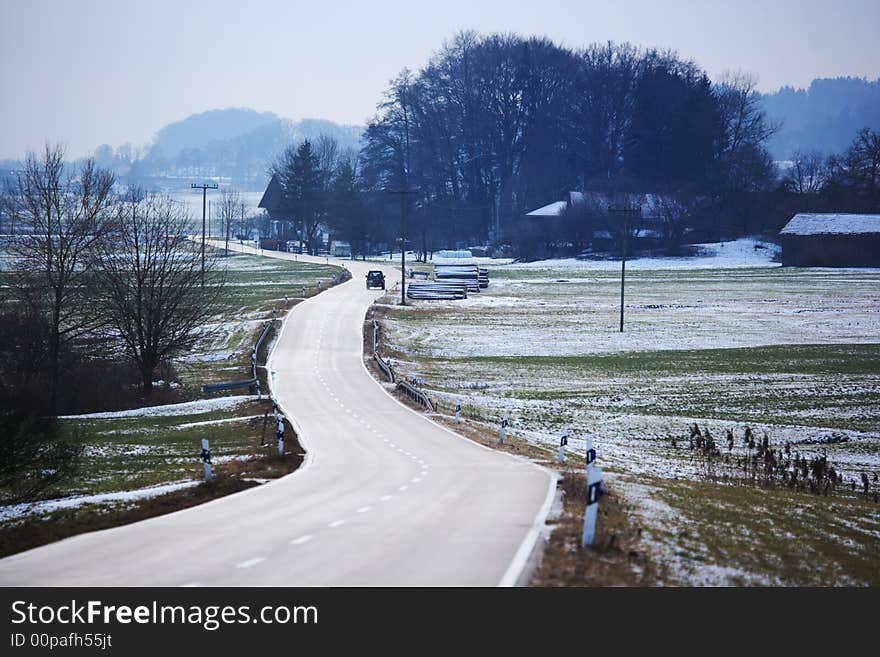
(100,290)
(495,126)
(824,117)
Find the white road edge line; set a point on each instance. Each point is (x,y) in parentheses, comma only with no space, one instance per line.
(521,557)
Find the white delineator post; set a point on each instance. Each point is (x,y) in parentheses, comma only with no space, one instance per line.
(563,441)
(205,455)
(504,424)
(280,435)
(594,492)
(458,413)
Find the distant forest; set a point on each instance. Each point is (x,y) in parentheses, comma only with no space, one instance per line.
(824,118)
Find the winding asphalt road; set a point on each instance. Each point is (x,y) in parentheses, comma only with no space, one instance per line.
(385,496)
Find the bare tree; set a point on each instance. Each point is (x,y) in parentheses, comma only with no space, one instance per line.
(746,124)
(857,171)
(676,213)
(10,207)
(245,224)
(808,173)
(33,455)
(151,282)
(66,217)
(229,212)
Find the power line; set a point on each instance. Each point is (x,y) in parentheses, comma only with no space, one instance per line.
(624,210)
(204,187)
(403,206)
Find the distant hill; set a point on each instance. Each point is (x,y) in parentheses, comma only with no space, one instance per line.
(825,117)
(200,130)
(235,145)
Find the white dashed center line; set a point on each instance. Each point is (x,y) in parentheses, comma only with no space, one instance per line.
(250,562)
(301,540)
(364,509)
(336,523)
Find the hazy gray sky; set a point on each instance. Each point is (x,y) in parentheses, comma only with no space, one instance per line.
(112,71)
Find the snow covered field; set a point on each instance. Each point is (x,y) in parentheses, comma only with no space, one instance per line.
(572,307)
(726,339)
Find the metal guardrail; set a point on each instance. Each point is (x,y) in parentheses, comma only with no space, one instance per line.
(256,350)
(381,362)
(408,389)
(385,367)
(253,382)
(416,395)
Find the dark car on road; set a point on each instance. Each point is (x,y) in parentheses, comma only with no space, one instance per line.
(375,278)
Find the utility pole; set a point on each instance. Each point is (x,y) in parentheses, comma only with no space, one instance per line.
(624,210)
(204,187)
(403,208)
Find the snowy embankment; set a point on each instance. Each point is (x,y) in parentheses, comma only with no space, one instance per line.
(18,511)
(186,408)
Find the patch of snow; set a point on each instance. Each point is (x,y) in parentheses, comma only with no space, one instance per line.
(190,425)
(212,357)
(14,511)
(738,254)
(185,408)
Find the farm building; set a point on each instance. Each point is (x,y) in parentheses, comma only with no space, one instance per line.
(279,223)
(340,249)
(645,229)
(831,240)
